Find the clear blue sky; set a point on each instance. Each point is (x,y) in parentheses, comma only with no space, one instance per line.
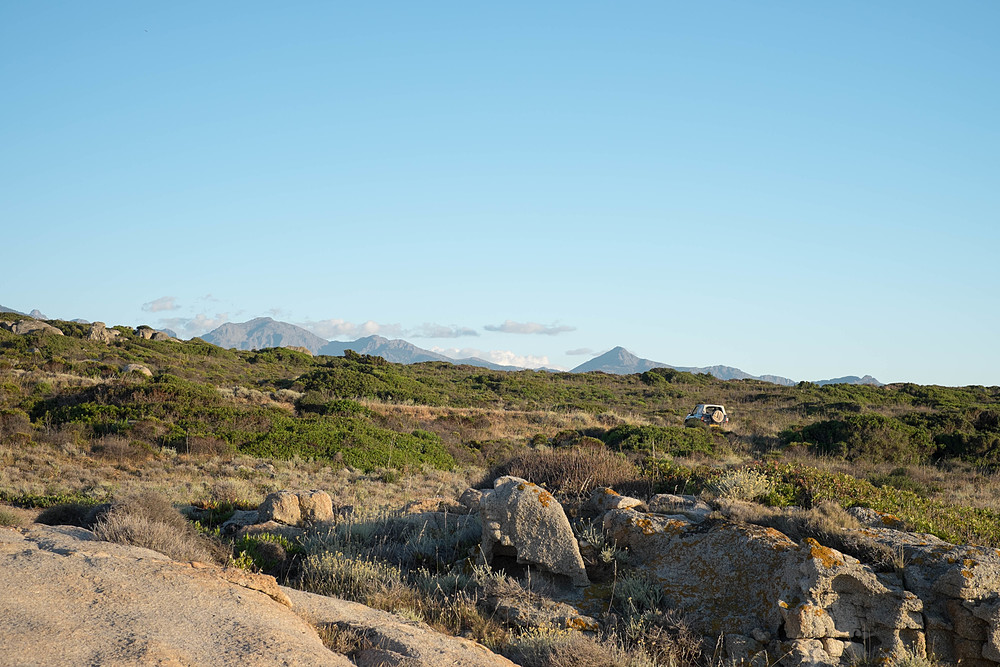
(804,189)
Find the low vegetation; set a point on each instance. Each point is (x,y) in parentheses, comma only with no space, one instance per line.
(87,444)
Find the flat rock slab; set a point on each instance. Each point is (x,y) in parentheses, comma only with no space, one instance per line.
(392,640)
(68,599)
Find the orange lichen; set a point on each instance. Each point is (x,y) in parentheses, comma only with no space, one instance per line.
(582,624)
(824,555)
(611,492)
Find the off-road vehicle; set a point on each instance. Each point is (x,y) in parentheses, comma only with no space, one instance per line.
(713,415)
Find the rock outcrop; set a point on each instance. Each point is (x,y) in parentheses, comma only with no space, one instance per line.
(149,333)
(100,333)
(959,587)
(137,368)
(296,507)
(692,507)
(68,599)
(768,593)
(604,499)
(22,327)
(522,520)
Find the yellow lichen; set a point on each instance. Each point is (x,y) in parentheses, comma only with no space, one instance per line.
(825,555)
(582,624)
(890,519)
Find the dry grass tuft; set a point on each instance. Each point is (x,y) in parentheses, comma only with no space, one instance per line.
(542,647)
(11,519)
(573,471)
(342,638)
(148,520)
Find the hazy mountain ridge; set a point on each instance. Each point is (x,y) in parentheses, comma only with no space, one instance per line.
(620,361)
(262,332)
(402,352)
(851,379)
(267,332)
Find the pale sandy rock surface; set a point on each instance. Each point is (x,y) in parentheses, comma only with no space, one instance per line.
(30,326)
(67,599)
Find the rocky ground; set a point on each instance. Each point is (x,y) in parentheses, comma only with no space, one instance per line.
(67,597)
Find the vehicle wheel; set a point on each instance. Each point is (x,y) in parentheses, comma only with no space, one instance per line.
(718,417)
(695,423)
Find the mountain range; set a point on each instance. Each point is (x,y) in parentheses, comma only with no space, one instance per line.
(264,332)
(620,361)
(36,314)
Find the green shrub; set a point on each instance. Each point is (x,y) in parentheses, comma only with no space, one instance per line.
(952,523)
(673,440)
(869,437)
(264,552)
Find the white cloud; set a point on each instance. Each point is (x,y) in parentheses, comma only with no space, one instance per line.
(186,327)
(502,357)
(580,350)
(337,328)
(510,326)
(428,330)
(161,304)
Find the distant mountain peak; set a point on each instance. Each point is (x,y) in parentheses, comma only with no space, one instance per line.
(262,332)
(620,361)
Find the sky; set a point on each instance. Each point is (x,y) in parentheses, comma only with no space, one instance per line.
(809,190)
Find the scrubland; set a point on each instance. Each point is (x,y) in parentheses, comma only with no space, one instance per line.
(213,431)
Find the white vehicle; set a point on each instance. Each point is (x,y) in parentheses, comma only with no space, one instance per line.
(713,415)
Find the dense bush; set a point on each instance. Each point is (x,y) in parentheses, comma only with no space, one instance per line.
(869,437)
(675,440)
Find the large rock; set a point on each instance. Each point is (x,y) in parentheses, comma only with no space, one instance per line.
(149,333)
(280,507)
(756,582)
(315,506)
(137,368)
(68,599)
(22,327)
(960,589)
(692,507)
(604,499)
(524,517)
(101,333)
(294,508)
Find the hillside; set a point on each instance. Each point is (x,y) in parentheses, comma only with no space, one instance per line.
(915,423)
(89,420)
